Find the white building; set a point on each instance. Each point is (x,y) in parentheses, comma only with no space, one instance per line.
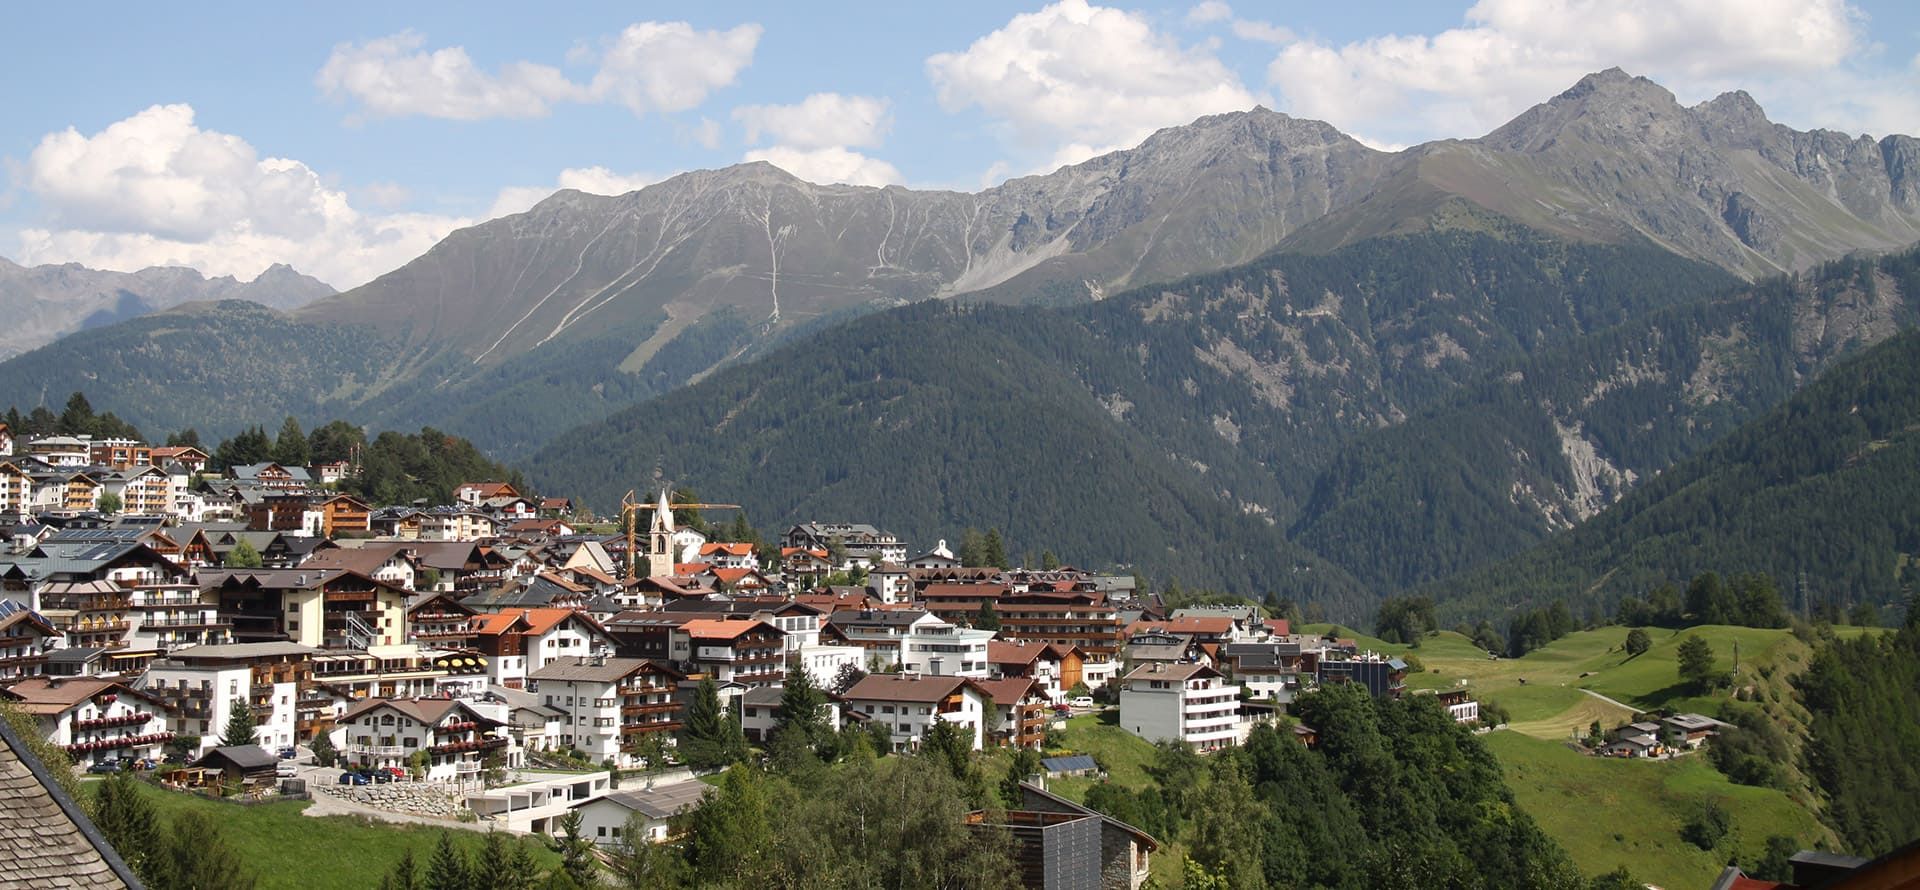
(946,650)
(604,819)
(389,733)
(95,719)
(203,684)
(605,701)
(909,703)
(824,663)
(1180,703)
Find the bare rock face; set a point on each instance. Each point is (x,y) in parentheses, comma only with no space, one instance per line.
(44,303)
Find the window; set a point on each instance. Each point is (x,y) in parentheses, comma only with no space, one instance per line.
(602,831)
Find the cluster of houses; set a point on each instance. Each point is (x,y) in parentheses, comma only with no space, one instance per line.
(451,638)
(1660,736)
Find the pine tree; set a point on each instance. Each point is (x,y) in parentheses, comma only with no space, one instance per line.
(993,551)
(522,871)
(404,876)
(949,745)
(1637,642)
(640,865)
(987,619)
(448,869)
(324,753)
(576,851)
(1696,661)
(128,821)
(802,710)
(77,419)
(290,449)
(707,738)
(196,856)
(240,724)
(493,868)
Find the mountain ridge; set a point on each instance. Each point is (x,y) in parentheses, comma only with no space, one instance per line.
(48,301)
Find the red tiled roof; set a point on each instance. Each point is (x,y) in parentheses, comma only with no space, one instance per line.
(732,576)
(1000,652)
(727,547)
(715,628)
(1279,626)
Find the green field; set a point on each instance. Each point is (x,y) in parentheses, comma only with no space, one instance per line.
(1610,813)
(286,849)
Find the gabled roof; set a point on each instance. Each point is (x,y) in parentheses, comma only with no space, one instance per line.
(1011,689)
(50,843)
(906,687)
(722,629)
(1003,652)
(583,669)
(425,710)
(246,758)
(659,801)
(1175,673)
(730,548)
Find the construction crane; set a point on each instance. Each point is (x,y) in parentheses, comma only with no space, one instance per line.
(630,508)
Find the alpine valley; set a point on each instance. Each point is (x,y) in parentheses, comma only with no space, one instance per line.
(1251,353)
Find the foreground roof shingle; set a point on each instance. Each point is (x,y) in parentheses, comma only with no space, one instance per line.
(49,842)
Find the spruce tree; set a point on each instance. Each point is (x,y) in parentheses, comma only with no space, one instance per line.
(802,710)
(493,868)
(291,449)
(128,821)
(993,550)
(448,869)
(240,724)
(987,619)
(707,740)
(576,851)
(196,856)
(404,876)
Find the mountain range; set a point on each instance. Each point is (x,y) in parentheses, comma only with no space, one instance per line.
(43,303)
(1327,370)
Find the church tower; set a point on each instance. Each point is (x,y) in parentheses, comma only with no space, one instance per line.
(660,539)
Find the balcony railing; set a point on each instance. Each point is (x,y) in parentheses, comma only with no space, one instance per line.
(377,750)
(127,741)
(200,622)
(134,719)
(468,745)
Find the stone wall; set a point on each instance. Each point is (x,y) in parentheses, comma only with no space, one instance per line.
(412,798)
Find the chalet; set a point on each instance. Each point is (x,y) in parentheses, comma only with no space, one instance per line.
(803,567)
(60,451)
(458,524)
(63,489)
(462,567)
(95,718)
(1084,619)
(608,704)
(318,512)
(1056,668)
(337,608)
(389,732)
(272,475)
(25,641)
(1020,712)
(6,440)
(201,687)
(518,642)
(937,558)
(749,652)
(860,545)
(1276,670)
(1688,731)
(16,490)
(331,472)
(240,764)
(118,454)
(730,555)
(908,704)
(390,562)
(440,619)
(399,523)
(477,493)
(556,508)
(192,459)
(1187,703)
(1639,739)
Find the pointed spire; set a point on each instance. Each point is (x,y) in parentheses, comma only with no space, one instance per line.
(663,513)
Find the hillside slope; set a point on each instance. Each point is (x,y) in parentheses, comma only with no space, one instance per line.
(1826,484)
(43,303)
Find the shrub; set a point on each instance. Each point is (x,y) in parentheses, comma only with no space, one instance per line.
(1706,829)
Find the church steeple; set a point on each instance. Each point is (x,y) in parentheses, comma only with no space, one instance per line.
(660,540)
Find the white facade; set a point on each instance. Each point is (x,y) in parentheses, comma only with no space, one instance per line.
(946,651)
(824,663)
(216,691)
(907,710)
(1180,703)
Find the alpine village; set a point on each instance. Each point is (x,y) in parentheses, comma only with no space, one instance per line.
(1247,508)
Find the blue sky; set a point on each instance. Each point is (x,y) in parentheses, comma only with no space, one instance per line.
(347,138)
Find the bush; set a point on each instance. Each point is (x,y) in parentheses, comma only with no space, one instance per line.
(1706,829)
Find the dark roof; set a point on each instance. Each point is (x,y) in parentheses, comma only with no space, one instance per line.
(247,758)
(50,842)
(662,801)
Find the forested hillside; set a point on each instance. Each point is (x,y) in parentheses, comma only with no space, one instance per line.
(1548,440)
(1864,753)
(1826,484)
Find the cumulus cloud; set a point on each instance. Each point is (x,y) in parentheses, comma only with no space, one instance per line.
(593,180)
(1085,78)
(1510,54)
(819,121)
(155,189)
(832,164)
(1263,32)
(1208,12)
(393,77)
(648,67)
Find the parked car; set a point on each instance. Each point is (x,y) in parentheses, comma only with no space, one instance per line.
(1084,701)
(286,769)
(396,773)
(104,766)
(288,753)
(352,778)
(380,776)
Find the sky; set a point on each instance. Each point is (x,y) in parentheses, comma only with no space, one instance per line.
(347,138)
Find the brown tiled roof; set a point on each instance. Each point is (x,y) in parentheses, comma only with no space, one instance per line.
(49,843)
(904,687)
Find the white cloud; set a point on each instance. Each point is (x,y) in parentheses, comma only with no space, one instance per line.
(833,164)
(1208,12)
(1262,32)
(385,194)
(705,134)
(668,66)
(650,66)
(393,77)
(154,189)
(1084,77)
(1512,54)
(593,180)
(819,121)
